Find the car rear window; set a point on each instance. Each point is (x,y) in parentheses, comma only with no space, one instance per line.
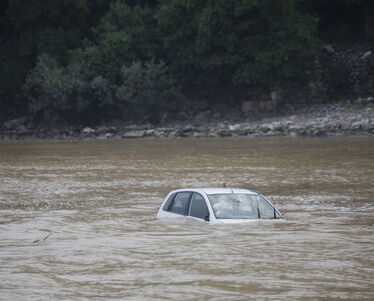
(167,203)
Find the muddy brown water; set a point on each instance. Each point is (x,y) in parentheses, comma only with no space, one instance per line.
(99,200)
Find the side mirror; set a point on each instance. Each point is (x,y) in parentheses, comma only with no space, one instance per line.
(206,218)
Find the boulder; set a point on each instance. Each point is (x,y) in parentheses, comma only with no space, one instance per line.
(277,126)
(159,133)
(101,129)
(174,134)
(223,133)
(243,131)
(187,128)
(134,134)
(266,127)
(234,127)
(88,130)
(329,49)
(149,133)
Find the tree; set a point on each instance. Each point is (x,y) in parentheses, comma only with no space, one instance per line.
(244,41)
(124,34)
(30,28)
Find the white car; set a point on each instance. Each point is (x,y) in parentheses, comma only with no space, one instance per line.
(218,205)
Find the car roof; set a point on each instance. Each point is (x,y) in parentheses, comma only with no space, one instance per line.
(218,190)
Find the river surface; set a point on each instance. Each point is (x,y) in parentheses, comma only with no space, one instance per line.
(99,200)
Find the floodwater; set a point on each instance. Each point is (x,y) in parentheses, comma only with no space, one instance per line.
(99,200)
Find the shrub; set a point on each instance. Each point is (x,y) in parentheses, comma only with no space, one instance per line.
(66,92)
(149,90)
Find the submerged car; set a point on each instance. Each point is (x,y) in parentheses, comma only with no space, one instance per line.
(218,205)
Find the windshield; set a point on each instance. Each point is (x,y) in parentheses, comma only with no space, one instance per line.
(241,206)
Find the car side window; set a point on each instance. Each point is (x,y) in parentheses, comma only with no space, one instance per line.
(198,207)
(167,203)
(180,204)
(266,210)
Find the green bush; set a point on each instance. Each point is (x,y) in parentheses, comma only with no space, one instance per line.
(149,91)
(76,93)
(67,92)
(124,34)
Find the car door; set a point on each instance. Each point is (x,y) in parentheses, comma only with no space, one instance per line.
(198,207)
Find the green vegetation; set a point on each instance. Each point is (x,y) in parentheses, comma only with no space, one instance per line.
(93,60)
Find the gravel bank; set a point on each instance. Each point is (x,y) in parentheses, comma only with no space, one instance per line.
(347,118)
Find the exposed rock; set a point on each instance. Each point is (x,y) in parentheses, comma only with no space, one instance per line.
(14,123)
(234,127)
(158,133)
(352,117)
(187,128)
(366,55)
(243,131)
(277,126)
(101,129)
(357,125)
(88,130)
(174,134)
(266,127)
(223,133)
(212,134)
(134,134)
(149,133)
(329,49)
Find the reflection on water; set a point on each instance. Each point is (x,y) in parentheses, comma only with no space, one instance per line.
(99,200)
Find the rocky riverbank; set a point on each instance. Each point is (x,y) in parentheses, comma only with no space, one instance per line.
(346,118)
